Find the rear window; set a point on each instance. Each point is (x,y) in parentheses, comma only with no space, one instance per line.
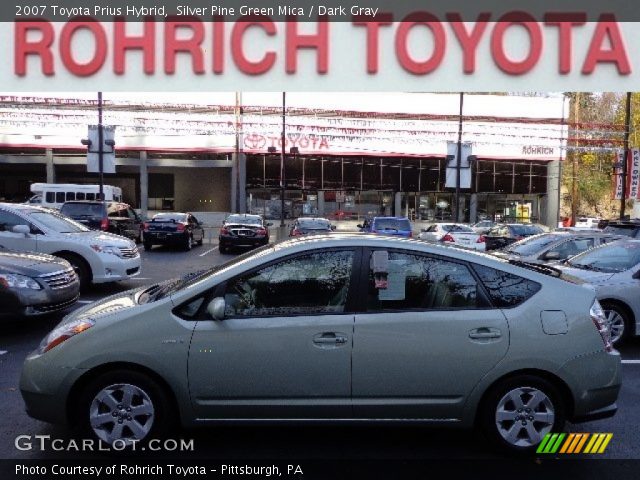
(532,245)
(82,209)
(626,230)
(610,258)
(246,219)
(314,224)
(169,217)
(392,224)
(506,289)
(525,229)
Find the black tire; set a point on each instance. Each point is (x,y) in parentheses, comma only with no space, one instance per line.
(147,245)
(223,249)
(201,241)
(80,265)
(626,322)
(163,416)
(487,413)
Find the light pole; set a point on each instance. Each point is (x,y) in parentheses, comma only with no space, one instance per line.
(100,147)
(282,179)
(627,122)
(459,160)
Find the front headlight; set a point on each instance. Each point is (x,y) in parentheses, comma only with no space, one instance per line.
(107,249)
(11,280)
(64,332)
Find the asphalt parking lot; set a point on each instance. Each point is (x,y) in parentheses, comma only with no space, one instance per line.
(345,442)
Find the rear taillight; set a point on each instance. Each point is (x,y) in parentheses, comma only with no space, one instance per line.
(480,239)
(600,322)
(295,232)
(104,224)
(145,226)
(224,231)
(261,231)
(519,237)
(447,238)
(180,227)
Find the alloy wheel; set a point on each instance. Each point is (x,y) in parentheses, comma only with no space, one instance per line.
(121,412)
(524,416)
(615,323)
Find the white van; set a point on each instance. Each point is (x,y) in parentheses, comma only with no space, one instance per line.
(53,195)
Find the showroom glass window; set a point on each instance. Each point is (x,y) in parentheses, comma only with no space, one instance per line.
(422,282)
(316,283)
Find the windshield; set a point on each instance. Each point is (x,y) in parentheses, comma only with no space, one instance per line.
(314,224)
(392,224)
(532,245)
(169,217)
(58,223)
(243,219)
(611,258)
(161,290)
(82,209)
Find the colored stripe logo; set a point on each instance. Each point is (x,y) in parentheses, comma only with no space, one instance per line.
(592,443)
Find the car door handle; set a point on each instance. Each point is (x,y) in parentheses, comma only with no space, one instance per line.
(328,338)
(485,333)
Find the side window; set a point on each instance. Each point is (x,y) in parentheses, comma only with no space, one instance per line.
(573,247)
(506,289)
(91,196)
(316,283)
(421,282)
(70,196)
(432,228)
(60,197)
(9,220)
(131,214)
(193,220)
(50,197)
(80,196)
(112,211)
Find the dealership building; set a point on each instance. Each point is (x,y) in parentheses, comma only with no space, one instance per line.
(346,154)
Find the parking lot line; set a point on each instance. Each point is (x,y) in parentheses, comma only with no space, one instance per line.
(208,251)
(140,278)
(86,301)
(2,352)
(636,362)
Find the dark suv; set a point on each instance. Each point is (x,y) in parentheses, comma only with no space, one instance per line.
(114,217)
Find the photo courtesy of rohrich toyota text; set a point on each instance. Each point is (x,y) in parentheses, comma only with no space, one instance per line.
(319,240)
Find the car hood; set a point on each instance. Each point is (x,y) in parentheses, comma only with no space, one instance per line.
(31,264)
(96,237)
(106,306)
(589,276)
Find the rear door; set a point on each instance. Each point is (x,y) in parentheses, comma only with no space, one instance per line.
(427,336)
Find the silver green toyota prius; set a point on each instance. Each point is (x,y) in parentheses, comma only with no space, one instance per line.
(344,328)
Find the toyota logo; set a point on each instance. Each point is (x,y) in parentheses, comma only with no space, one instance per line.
(255,141)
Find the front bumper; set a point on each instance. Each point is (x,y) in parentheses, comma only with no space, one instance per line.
(27,302)
(45,389)
(115,269)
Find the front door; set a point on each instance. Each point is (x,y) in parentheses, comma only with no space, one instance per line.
(427,338)
(283,349)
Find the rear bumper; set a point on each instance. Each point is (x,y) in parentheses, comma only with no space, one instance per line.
(236,241)
(606,412)
(165,238)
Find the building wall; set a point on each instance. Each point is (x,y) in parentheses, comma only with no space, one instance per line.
(200,189)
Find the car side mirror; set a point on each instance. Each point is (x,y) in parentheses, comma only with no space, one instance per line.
(23,229)
(268,224)
(552,256)
(333,227)
(360,225)
(216,308)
